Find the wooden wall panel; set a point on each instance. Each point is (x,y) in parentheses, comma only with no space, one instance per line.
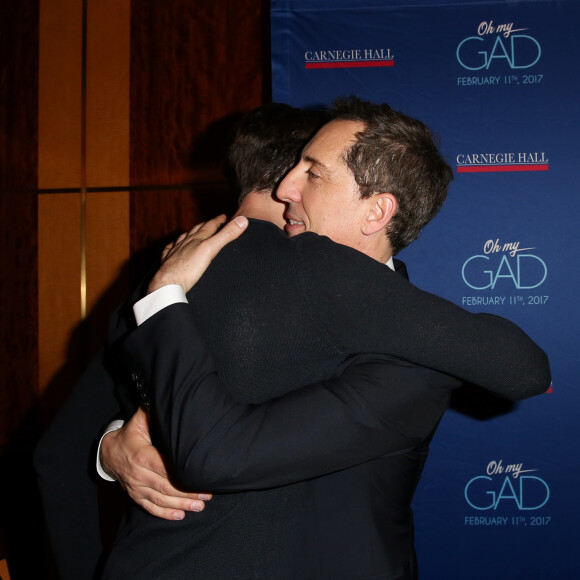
(18,290)
(194,63)
(107,93)
(59,259)
(107,257)
(18,95)
(195,66)
(18,219)
(107,162)
(60,156)
(18,311)
(111,143)
(60,94)
(84,237)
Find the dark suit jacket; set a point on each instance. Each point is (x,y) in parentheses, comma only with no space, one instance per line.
(354,523)
(290,313)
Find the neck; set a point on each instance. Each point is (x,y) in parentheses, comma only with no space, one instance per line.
(261,205)
(378,248)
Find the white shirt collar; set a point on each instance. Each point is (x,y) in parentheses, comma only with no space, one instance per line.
(390,263)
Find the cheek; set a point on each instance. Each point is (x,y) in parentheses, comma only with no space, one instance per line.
(337,223)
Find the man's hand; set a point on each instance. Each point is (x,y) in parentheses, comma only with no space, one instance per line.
(186,259)
(128,455)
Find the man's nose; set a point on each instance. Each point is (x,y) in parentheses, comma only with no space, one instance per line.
(288,190)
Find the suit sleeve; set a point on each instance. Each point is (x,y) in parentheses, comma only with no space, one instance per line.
(362,306)
(378,405)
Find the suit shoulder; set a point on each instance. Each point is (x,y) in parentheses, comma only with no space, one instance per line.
(319,258)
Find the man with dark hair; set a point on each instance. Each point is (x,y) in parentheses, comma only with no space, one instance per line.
(266,144)
(393,153)
(396,153)
(319,303)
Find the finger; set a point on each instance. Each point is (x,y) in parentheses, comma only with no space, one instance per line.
(209,228)
(169,501)
(231,231)
(172,246)
(149,479)
(158,512)
(180,238)
(165,252)
(186,264)
(196,228)
(165,488)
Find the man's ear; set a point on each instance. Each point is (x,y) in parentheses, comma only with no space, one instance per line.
(381,208)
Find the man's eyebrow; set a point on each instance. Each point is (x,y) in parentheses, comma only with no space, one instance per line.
(316,162)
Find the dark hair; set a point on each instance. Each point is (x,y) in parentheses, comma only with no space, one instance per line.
(267,143)
(396,154)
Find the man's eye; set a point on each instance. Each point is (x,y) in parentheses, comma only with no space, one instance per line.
(312,175)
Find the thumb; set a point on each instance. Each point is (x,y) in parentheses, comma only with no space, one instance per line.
(231,231)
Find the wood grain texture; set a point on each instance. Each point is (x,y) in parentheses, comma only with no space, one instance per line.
(107,93)
(20,525)
(160,216)
(59,295)
(18,95)
(194,63)
(60,94)
(18,213)
(194,66)
(107,257)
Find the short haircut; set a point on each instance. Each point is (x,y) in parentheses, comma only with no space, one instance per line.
(267,142)
(396,154)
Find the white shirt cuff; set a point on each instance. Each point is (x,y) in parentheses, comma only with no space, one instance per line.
(158,300)
(113,426)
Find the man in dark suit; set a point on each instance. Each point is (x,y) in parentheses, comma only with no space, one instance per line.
(264,147)
(325,319)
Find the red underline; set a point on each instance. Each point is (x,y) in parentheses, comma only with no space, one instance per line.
(491,168)
(350,64)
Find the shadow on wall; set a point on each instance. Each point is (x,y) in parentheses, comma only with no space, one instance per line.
(26,545)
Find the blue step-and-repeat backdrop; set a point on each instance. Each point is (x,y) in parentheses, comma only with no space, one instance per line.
(499,82)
